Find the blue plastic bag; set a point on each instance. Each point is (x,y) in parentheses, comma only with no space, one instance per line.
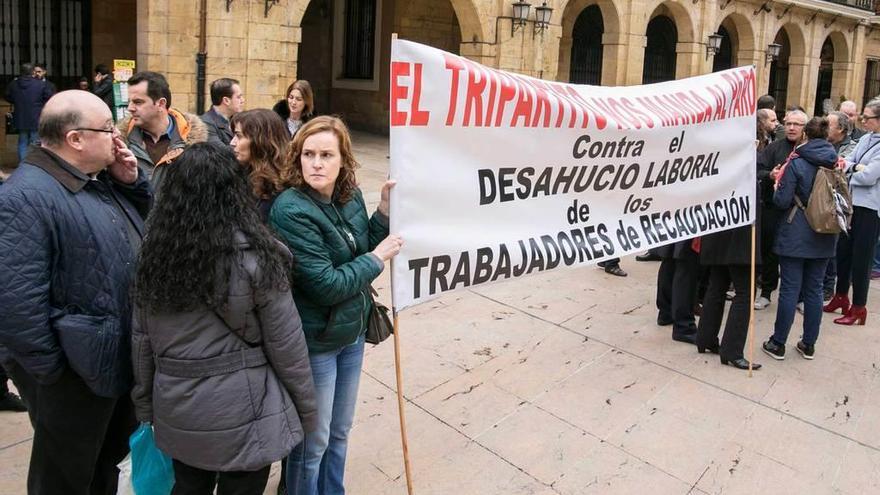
(151,470)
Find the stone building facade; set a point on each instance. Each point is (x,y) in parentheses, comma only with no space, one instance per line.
(829,49)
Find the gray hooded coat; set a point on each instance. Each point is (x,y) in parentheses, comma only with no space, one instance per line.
(230,390)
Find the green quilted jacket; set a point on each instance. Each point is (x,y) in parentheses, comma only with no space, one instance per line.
(331,284)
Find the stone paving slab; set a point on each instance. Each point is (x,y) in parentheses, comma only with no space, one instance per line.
(562,384)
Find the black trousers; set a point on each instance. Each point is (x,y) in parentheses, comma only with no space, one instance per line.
(855,255)
(78,437)
(189,480)
(4,387)
(737,326)
(677,281)
(769,259)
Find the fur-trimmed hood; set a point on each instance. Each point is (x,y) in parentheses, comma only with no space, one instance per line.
(189,125)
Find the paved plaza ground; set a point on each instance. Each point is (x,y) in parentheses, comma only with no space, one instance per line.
(561,383)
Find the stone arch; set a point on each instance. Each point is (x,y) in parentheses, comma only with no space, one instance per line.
(689,50)
(740,29)
(611,38)
(843,68)
(678,12)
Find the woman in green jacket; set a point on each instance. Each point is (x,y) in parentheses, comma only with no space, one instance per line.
(338,251)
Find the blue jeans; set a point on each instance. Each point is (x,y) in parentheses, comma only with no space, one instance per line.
(799,274)
(317,465)
(25,139)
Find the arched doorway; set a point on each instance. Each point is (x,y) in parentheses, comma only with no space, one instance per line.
(826,75)
(586,47)
(726,56)
(660,50)
(778,87)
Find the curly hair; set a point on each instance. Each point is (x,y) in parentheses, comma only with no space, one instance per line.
(189,248)
(269,142)
(346,183)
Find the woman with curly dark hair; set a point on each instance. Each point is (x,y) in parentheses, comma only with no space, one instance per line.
(338,252)
(221,364)
(259,141)
(298,107)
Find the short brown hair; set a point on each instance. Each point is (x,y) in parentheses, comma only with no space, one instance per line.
(269,142)
(308,95)
(346,183)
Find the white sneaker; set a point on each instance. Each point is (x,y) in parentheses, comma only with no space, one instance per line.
(800,307)
(761,303)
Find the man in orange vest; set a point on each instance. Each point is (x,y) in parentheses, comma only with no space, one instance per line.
(155,132)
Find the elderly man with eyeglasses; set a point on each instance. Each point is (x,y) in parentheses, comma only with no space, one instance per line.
(770,161)
(71,224)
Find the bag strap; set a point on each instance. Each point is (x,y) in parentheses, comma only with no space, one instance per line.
(876,142)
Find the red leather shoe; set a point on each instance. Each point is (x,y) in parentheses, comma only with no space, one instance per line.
(839,301)
(856,316)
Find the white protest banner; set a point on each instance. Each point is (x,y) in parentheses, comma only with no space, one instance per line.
(500,175)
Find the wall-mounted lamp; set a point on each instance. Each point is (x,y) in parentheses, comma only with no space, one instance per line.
(520,15)
(713,45)
(772,52)
(542,17)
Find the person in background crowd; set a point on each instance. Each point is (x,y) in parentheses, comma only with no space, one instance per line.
(260,142)
(8,400)
(221,364)
(157,133)
(226,100)
(770,161)
(298,108)
(840,136)
(766,127)
(612,267)
(767,102)
(851,110)
(73,224)
(27,94)
(40,72)
(727,255)
(338,251)
(103,87)
(855,251)
(677,281)
(83,84)
(802,251)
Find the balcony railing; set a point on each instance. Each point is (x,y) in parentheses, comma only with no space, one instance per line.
(859,4)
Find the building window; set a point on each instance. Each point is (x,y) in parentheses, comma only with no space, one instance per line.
(360,29)
(356,44)
(872,81)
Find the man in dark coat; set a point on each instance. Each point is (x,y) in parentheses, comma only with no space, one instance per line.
(71,223)
(226,100)
(677,282)
(27,95)
(8,400)
(770,161)
(103,87)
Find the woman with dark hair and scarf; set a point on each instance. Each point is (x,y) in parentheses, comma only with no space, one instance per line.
(221,365)
(298,107)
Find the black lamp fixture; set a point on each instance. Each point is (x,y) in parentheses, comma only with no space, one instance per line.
(542,18)
(773,50)
(520,15)
(713,45)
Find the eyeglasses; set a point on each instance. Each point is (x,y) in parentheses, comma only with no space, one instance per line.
(794,124)
(868,117)
(111,130)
